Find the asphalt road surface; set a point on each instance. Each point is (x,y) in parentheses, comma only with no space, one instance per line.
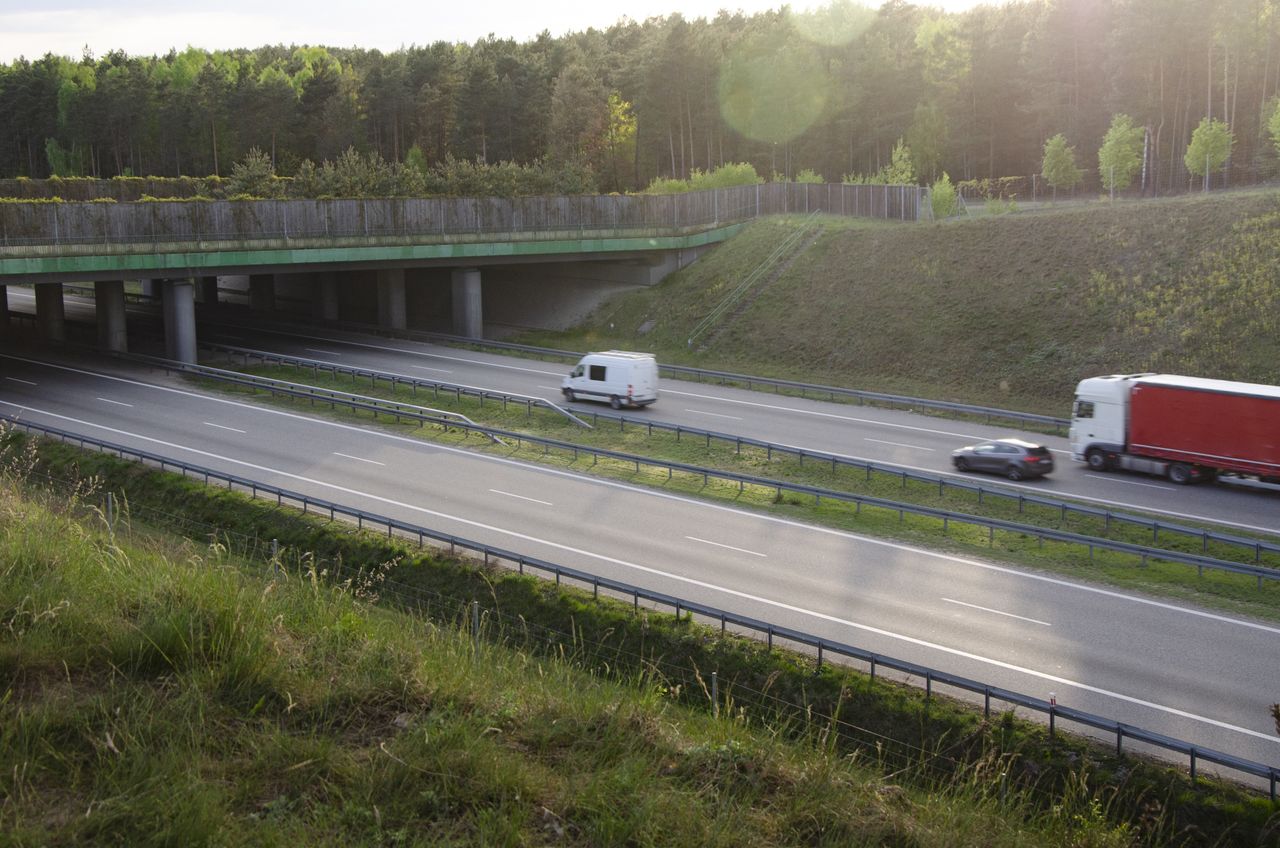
(1197,675)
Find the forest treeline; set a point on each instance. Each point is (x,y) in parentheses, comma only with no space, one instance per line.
(829,92)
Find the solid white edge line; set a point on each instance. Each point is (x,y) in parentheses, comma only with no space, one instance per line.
(896,546)
(688,580)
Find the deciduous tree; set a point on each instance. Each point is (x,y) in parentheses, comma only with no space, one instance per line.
(1058,165)
(1121,153)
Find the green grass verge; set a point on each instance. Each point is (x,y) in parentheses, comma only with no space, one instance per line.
(1008,311)
(164,692)
(1222,590)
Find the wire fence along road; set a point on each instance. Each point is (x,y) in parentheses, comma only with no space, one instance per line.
(761,629)
(449,218)
(1065,508)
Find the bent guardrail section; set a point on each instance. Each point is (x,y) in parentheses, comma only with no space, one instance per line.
(706,374)
(1065,508)
(760,628)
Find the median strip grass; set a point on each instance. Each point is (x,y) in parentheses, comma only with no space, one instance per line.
(1229,592)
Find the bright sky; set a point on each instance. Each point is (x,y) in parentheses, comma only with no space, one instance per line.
(32,28)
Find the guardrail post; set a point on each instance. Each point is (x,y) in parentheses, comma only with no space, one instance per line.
(1193,763)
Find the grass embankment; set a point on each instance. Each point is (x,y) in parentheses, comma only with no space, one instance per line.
(1222,590)
(1010,311)
(165,691)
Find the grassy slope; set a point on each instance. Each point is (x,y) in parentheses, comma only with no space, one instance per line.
(162,693)
(1009,310)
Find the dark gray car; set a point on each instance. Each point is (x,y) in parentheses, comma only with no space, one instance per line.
(1014,458)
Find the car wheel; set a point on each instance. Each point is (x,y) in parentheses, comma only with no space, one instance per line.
(1013,472)
(1097,460)
(615,402)
(569,395)
(1180,473)
(962,464)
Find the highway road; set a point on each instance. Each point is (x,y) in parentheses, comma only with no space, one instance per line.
(1193,674)
(898,437)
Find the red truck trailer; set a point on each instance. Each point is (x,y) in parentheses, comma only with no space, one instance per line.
(1185,428)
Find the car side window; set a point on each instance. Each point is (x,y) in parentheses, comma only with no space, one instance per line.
(1006,449)
(597,373)
(985,449)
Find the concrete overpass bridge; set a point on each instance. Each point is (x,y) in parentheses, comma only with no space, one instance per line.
(399,262)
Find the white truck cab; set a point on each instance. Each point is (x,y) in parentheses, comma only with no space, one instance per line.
(1099,417)
(620,377)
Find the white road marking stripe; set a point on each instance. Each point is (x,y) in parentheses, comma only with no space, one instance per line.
(713,414)
(998,612)
(844,534)
(521,497)
(1111,478)
(358,458)
(223,427)
(116,402)
(728,547)
(325,352)
(1063,681)
(900,445)
(26,382)
(818,414)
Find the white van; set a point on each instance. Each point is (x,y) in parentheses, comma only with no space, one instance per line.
(621,377)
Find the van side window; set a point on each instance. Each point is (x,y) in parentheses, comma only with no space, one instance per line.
(597,373)
(1084,409)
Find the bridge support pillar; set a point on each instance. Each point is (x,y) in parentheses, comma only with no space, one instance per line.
(108,298)
(180,320)
(151,288)
(50,313)
(262,292)
(391,308)
(325,301)
(4,311)
(208,291)
(468,317)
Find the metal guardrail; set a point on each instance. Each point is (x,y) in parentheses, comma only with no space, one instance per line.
(1042,534)
(394,380)
(760,628)
(1065,508)
(705,374)
(365,403)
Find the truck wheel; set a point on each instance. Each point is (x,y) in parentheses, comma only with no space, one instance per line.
(1013,472)
(1181,473)
(569,395)
(1097,460)
(615,402)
